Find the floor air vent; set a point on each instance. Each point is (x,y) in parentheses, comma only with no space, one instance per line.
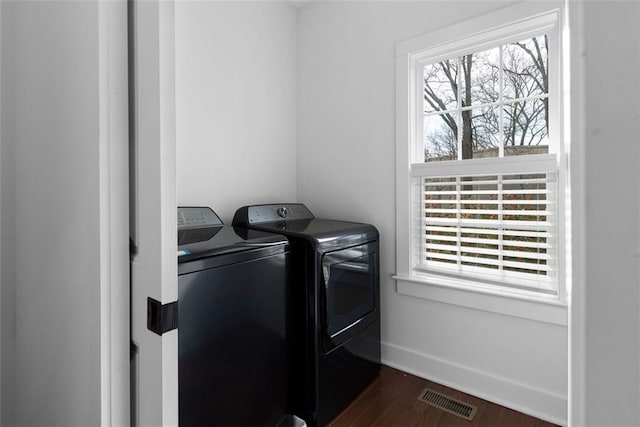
(448,404)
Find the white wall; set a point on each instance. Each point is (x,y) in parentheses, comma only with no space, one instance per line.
(53,212)
(235,104)
(7,224)
(346,169)
(606,322)
(1,228)
(51,77)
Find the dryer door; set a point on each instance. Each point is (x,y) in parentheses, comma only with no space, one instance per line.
(350,301)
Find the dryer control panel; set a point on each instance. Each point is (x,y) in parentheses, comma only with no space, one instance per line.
(272,213)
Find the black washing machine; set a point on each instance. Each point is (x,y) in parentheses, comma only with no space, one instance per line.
(336,294)
(232,327)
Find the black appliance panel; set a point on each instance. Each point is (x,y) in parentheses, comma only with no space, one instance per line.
(350,280)
(232,360)
(345,372)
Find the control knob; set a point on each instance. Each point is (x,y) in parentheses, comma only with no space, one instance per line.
(282,212)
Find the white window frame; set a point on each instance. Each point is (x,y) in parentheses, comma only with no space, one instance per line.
(513,23)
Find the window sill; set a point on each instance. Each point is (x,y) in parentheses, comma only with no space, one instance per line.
(489,298)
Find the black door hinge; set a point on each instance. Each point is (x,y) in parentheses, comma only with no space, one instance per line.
(161,318)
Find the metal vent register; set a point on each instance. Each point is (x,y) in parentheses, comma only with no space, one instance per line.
(448,404)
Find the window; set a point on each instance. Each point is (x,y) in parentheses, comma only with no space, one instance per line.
(479,153)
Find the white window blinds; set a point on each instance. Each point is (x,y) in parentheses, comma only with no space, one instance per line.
(495,220)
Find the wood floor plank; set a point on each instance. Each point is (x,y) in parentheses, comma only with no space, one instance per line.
(366,399)
(490,416)
(392,400)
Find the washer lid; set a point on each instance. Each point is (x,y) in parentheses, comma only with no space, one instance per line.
(223,240)
(201,234)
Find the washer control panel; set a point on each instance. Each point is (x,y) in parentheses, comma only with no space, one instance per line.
(273,213)
(196,217)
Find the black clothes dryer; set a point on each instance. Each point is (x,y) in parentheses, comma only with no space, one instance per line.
(232,326)
(336,294)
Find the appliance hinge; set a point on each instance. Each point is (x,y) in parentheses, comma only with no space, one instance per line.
(161,318)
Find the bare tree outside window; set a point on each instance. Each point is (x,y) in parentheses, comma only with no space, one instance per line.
(488,104)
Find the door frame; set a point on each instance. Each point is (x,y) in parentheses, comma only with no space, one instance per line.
(154,269)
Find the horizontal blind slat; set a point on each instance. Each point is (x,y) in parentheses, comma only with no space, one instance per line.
(488,241)
(489,224)
(472,266)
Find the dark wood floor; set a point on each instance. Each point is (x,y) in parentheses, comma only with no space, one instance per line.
(392,400)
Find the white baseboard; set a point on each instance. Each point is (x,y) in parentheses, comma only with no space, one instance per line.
(543,404)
